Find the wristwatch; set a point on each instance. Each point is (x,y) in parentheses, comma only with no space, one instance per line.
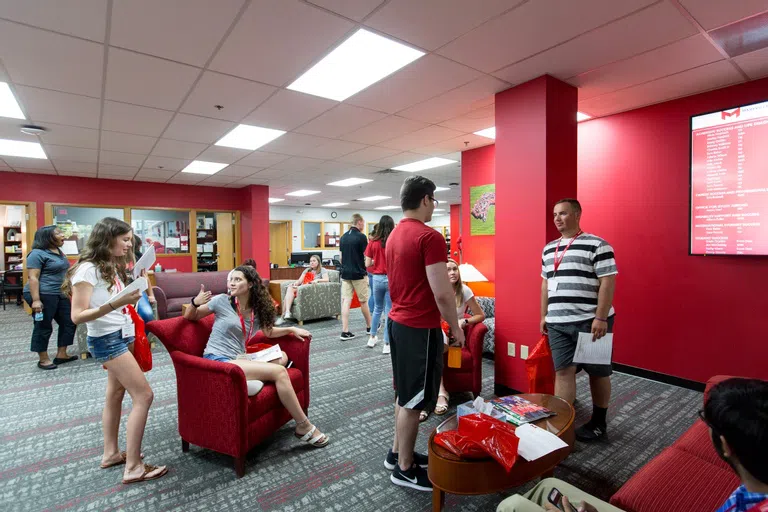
(193,303)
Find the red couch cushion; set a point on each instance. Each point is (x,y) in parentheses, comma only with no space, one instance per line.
(267,399)
(698,442)
(676,480)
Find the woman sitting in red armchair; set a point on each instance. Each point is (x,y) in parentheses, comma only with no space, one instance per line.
(246,309)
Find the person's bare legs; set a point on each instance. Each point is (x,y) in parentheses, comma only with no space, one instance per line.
(407,430)
(290,295)
(395,444)
(110,419)
(442,394)
(366,313)
(601,391)
(128,374)
(565,384)
(345,305)
(268,372)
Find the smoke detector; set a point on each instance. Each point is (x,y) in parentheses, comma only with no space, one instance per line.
(32,129)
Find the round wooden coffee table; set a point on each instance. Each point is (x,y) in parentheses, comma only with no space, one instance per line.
(452,474)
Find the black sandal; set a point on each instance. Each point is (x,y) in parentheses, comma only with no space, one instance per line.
(62,360)
(46,366)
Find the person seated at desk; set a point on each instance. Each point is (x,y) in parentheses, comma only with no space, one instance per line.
(246,309)
(736,413)
(313,274)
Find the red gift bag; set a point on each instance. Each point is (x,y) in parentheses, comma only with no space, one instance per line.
(496,437)
(541,368)
(141,349)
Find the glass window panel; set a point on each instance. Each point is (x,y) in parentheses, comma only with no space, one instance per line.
(166,230)
(76,222)
(312,231)
(332,234)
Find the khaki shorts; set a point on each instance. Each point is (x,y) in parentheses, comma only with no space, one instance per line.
(358,285)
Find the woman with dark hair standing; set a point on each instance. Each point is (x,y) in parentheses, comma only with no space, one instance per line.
(47,266)
(99,275)
(376,261)
(246,309)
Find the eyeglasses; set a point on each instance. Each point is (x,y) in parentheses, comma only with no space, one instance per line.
(437,203)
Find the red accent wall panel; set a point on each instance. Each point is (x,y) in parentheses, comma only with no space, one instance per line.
(478,167)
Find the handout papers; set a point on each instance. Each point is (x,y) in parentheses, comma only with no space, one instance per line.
(536,442)
(266,355)
(593,352)
(145,262)
(139,284)
(70,247)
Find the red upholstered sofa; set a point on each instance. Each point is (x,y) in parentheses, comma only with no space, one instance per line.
(469,377)
(688,476)
(215,411)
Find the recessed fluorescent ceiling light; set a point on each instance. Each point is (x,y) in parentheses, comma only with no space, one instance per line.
(9,107)
(21,148)
(438,210)
(336,204)
(421,165)
(442,189)
(302,193)
(245,136)
(349,182)
(362,60)
(201,167)
(387,208)
(489,133)
(582,117)
(374,198)
(276,199)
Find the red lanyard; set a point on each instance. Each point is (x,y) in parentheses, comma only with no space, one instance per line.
(559,261)
(242,321)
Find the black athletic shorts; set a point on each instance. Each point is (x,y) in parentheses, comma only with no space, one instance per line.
(417,364)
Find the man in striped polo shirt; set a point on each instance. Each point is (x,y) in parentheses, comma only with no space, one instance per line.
(578,273)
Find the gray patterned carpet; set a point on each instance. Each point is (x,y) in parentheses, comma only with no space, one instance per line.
(50,438)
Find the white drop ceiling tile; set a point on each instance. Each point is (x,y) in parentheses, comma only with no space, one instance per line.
(353,9)
(18,162)
(127,143)
(178,149)
(262,159)
(430,24)
(531,28)
(222,155)
(685,54)
(296,34)
(70,153)
(220,179)
(76,174)
(238,171)
(44,106)
(63,135)
(339,120)
(171,165)
(121,117)
(119,177)
(151,171)
(117,158)
(287,110)
(424,137)
(457,102)
(268,174)
(296,164)
(43,59)
(251,180)
(237,95)
(716,14)
(81,18)
(197,27)
(186,179)
(754,64)
(455,144)
(398,159)
(35,171)
(421,80)
(293,144)
(148,81)
(384,129)
(235,185)
(121,170)
(70,166)
(197,129)
(645,30)
(150,179)
(474,121)
(704,78)
(368,154)
(334,149)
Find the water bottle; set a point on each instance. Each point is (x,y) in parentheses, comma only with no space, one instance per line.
(39,316)
(158,268)
(454,357)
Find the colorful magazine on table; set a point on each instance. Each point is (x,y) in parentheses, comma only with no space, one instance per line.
(519,410)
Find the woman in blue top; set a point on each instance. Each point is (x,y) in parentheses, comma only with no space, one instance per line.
(47,266)
(239,315)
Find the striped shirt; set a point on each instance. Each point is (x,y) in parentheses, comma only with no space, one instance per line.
(742,500)
(577,279)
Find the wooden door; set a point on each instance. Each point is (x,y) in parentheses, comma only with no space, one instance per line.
(225,241)
(278,243)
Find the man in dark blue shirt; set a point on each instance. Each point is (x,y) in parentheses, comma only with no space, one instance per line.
(354,276)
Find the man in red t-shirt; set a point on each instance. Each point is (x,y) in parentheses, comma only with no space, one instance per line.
(421,294)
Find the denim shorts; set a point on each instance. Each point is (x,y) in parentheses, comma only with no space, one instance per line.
(215,357)
(108,347)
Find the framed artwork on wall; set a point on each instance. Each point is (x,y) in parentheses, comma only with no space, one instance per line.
(482,219)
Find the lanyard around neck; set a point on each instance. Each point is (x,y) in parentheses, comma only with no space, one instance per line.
(242,321)
(557,261)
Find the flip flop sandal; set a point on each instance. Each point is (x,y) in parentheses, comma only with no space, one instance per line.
(318,441)
(123,459)
(147,474)
(441,409)
(46,366)
(423,415)
(62,360)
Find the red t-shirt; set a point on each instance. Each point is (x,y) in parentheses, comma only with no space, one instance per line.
(411,248)
(376,253)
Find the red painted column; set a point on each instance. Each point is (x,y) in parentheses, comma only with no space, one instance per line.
(455,230)
(535,167)
(255,227)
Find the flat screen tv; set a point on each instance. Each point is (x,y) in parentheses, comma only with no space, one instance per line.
(729,182)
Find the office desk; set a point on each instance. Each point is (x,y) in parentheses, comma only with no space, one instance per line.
(290,272)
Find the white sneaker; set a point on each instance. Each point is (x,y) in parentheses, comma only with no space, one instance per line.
(279,321)
(287,315)
(372,341)
(386,349)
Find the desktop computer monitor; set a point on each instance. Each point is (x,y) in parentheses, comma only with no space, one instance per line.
(302,258)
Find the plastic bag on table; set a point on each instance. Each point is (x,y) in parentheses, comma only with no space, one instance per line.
(497,438)
(541,368)
(460,445)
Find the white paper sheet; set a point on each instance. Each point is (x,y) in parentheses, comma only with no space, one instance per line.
(70,247)
(269,354)
(593,352)
(140,284)
(207,247)
(172,242)
(145,262)
(536,442)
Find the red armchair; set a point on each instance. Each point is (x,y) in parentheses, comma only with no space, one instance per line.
(469,377)
(215,411)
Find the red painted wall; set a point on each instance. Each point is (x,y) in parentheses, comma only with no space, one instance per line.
(45,188)
(688,316)
(478,167)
